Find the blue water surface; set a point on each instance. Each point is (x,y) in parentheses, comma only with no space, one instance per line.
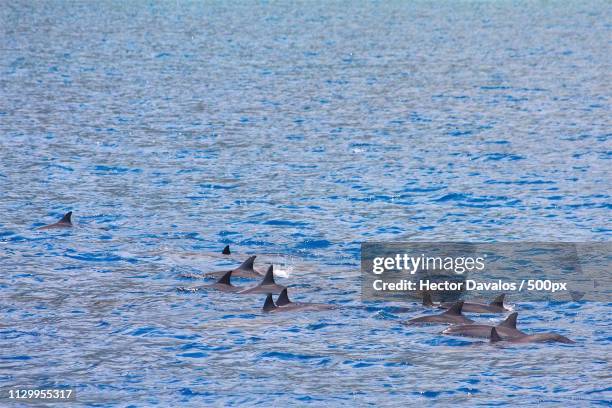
(295,132)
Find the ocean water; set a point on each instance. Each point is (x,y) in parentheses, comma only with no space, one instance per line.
(293,132)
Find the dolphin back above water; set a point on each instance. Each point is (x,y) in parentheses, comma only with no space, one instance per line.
(223,285)
(494,337)
(452,316)
(496,306)
(245,270)
(65,222)
(283,304)
(267,285)
(506,329)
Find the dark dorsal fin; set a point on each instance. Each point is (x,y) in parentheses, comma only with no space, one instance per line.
(427,299)
(225,279)
(494,336)
(499,300)
(226,250)
(269,278)
(576,295)
(283,298)
(269,304)
(248,264)
(510,321)
(455,309)
(66,218)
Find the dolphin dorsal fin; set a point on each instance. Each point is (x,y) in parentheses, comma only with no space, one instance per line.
(269,278)
(510,321)
(427,299)
(494,338)
(499,300)
(248,264)
(269,304)
(66,218)
(455,309)
(283,298)
(226,250)
(225,279)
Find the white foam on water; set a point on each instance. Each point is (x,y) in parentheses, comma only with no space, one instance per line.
(282,271)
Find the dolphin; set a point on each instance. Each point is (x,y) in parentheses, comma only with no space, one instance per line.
(496,306)
(452,315)
(245,270)
(65,222)
(283,302)
(427,302)
(576,295)
(506,329)
(267,285)
(226,250)
(223,285)
(531,338)
(269,305)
